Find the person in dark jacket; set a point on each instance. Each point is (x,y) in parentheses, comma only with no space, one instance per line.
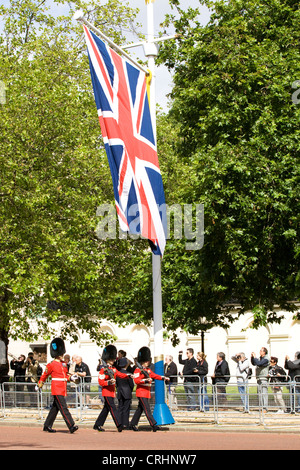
(190,378)
(171,371)
(202,370)
(293,368)
(221,377)
(83,371)
(124,392)
(17,366)
(277,376)
(19,376)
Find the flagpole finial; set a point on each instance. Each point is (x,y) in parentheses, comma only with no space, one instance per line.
(78,15)
(149,1)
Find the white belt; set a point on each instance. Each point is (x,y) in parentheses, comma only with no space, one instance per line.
(60,380)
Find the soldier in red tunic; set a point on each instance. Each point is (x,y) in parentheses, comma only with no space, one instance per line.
(59,372)
(107,380)
(143,377)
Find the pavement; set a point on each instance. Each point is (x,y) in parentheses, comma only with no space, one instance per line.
(131,448)
(186,439)
(193,422)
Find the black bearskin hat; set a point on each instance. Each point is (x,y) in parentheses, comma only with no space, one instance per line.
(57,348)
(109,353)
(144,354)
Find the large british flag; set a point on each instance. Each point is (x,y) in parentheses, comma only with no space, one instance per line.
(121,97)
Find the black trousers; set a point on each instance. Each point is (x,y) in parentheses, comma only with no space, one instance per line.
(59,404)
(109,407)
(124,410)
(143,406)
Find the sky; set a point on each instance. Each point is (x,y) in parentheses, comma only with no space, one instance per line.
(161,8)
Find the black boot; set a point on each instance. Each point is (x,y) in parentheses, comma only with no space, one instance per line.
(98,428)
(156,428)
(133,428)
(73,429)
(48,429)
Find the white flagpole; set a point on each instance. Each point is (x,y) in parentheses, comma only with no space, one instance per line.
(78,15)
(161,412)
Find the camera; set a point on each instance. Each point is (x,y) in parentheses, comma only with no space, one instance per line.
(272,372)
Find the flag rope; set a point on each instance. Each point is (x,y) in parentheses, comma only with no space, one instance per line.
(148,81)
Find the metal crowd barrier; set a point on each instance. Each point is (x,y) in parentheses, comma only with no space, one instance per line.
(220,404)
(232,403)
(1,403)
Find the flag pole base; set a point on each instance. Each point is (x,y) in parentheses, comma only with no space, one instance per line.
(162,415)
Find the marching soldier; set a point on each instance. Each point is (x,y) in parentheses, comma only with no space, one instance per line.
(107,380)
(59,372)
(143,377)
(124,393)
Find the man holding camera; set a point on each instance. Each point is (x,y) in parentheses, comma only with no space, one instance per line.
(31,366)
(19,376)
(277,377)
(262,372)
(190,378)
(242,372)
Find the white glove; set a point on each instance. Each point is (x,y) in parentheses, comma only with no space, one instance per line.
(74,378)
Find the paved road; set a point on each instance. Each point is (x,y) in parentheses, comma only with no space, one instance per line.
(33,438)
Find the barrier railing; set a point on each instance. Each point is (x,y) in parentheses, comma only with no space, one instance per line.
(1,402)
(221,403)
(264,403)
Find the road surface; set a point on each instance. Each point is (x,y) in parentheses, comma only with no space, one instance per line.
(33,438)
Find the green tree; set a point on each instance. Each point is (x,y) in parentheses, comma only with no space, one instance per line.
(53,172)
(239,128)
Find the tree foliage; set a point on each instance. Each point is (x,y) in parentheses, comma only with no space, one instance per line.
(230,141)
(53,171)
(239,128)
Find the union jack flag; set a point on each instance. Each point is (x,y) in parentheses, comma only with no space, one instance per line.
(121,97)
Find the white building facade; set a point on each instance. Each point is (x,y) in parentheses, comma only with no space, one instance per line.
(280,340)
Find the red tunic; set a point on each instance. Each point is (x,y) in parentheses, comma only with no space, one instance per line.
(59,373)
(143,388)
(103,378)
